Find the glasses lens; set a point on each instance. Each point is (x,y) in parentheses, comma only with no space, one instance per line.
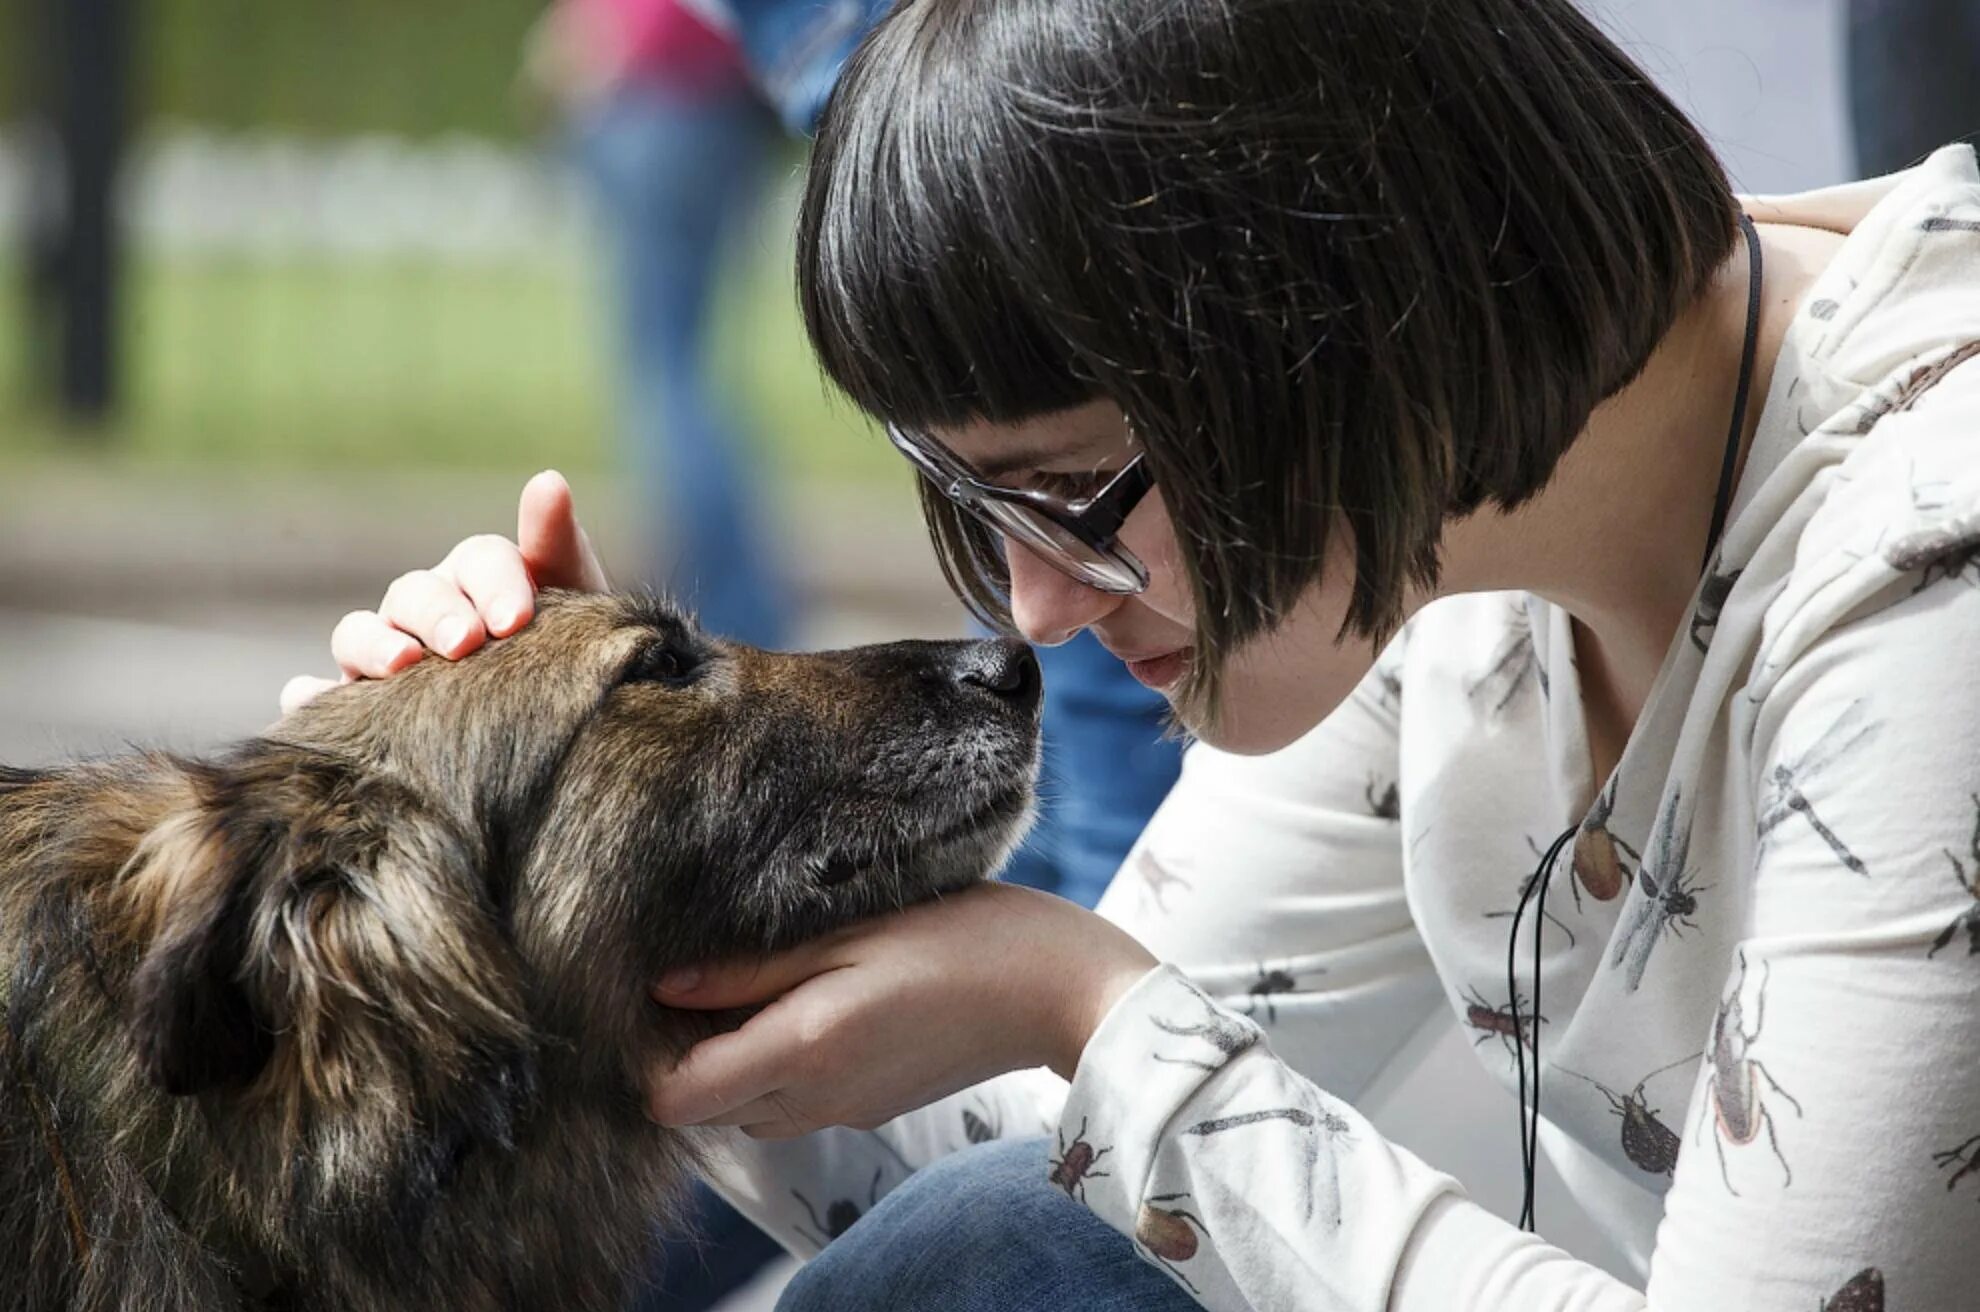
(1108,571)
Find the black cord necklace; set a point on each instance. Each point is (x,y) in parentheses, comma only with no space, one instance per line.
(1526,1033)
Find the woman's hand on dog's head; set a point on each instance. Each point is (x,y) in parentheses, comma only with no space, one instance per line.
(486,587)
(891,1014)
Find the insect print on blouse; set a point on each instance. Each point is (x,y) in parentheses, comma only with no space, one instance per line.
(1864,1292)
(1312,1127)
(1949,549)
(1272,982)
(1915,384)
(983,1127)
(1169,1234)
(1712,594)
(1647,1142)
(1526,883)
(1224,1033)
(1512,1023)
(1733,1095)
(1073,1167)
(1384,803)
(1941,223)
(839,1215)
(1665,899)
(1598,854)
(1785,799)
(1965,1157)
(1156,877)
(1969,919)
(1516,661)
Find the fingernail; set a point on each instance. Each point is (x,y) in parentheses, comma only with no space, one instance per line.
(680,981)
(404,654)
(506,615)
(451,634)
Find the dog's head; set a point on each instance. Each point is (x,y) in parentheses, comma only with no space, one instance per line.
(410,890)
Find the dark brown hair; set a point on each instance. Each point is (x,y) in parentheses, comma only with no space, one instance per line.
(1359,264)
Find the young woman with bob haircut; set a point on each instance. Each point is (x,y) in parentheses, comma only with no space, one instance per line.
(1566,567)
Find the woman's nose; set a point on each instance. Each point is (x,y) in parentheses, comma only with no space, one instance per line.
(1047,606)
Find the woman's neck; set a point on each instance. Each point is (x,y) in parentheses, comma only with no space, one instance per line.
(1617,536)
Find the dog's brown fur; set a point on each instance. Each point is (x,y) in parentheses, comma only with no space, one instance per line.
(356,1017)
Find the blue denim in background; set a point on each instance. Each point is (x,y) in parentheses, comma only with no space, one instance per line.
(1106,768)
(983,1231)
(673,174)
(1914,79)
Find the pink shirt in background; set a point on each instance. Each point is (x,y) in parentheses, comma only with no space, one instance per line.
(662,41)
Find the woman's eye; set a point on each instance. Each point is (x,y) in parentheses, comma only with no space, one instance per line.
(661,663)
(1069,487)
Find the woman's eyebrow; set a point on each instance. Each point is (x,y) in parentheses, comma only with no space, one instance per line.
(1009,461)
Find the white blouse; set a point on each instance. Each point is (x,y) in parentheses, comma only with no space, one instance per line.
(1758,1010)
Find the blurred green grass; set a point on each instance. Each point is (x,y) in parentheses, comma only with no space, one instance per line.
(419,363)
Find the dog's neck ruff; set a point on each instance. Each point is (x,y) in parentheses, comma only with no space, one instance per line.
(51,1137)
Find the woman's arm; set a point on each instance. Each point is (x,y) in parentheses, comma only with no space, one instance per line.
(1274,880)
(1831,1147)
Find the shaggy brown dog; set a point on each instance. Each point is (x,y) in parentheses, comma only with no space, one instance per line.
(356,1016)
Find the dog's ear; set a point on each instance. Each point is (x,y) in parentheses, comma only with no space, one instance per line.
(304,895)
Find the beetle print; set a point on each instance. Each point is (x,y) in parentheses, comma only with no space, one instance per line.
(1647,1142)
(1525,887)
(1513,664)
(1385,804)
(1665,899)
(1916,383)
(1156,878)
(1227,1034)
(1508,1024)
(981,1129)
(1732,1091)
(1712,594)
(1964,1157)
(1169,1234)
(1784,798)
(1312,1127)
(839,1215)
(1273,981)
(1969,919)
(1863,1293)
(1598,865)
(1073,1167)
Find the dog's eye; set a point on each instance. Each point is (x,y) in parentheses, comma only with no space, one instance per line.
(662,662)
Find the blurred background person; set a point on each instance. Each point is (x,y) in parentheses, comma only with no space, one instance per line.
(673,144)
(1914,79)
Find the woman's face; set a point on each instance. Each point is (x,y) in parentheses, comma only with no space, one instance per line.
(1275,687)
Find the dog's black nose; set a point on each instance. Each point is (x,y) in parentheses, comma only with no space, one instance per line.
(1005,668)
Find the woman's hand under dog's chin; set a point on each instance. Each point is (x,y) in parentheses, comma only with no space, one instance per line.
(891,1014)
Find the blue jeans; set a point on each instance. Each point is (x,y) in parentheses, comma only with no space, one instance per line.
(673,175)
(1106,768)
(983,1231)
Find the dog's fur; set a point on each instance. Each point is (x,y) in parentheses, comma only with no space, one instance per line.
(357,1015)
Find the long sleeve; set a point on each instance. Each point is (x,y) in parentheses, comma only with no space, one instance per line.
(1275,881)
(1831,1143)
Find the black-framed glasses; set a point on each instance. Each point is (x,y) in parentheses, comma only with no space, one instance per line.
(1078,538)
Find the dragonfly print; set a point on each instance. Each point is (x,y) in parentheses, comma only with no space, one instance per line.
(1664,898)
(1514,664)
(1786,797)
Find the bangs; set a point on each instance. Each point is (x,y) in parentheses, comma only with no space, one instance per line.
(913,287)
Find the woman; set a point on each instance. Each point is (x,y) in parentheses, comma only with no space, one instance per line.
(1565,573)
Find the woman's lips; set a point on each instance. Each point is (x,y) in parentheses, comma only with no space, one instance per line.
(1161,671)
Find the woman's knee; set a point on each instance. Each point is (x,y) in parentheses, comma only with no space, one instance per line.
(981,1230)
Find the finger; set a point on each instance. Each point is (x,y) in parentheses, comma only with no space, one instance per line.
(366,647)
(490,570)
(555,548)
(432,607)
(300,689)
(746,981)
(720,1074)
